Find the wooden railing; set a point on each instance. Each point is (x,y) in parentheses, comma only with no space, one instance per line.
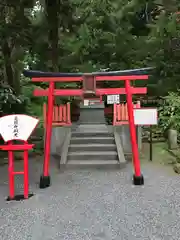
(121,113)
(61,115)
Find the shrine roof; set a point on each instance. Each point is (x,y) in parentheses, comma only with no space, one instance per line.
(38,74)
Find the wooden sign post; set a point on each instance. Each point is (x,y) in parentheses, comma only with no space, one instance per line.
(148,117)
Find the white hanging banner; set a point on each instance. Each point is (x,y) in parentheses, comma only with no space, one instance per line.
(146,116)
(17,127)
(112,99)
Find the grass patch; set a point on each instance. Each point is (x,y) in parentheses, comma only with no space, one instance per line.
(161,155)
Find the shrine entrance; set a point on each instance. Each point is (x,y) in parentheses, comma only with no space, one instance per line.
(93,113)
(89,88)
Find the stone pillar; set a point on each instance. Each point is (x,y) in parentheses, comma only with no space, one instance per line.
(172,139)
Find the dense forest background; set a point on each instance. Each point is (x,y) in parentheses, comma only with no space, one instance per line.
(79,35)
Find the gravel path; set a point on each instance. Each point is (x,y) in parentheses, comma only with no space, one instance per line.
(94,205)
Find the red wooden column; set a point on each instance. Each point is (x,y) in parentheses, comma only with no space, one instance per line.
(137,177)
(11,147)
(10,171)
(45,177)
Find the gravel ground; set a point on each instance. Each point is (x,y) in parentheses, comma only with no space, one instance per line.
(94,205)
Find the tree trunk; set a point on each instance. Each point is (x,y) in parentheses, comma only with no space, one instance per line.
(7,63)
(53,21)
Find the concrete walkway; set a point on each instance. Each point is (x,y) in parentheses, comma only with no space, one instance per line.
(94,205)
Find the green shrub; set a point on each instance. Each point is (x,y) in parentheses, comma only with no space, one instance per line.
(169,112)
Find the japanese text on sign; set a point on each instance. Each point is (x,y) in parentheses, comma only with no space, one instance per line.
(15,130)
(111,99)
(17,127)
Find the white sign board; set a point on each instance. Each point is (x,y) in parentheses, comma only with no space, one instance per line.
(86,102)
(146,116)
(111,99)
(17,127)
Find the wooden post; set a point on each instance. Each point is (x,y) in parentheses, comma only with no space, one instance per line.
(150,144)
(45,178)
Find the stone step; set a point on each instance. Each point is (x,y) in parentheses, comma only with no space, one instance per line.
(85,128)
(92,140)
(88,155)
(95,164)
(92,122)
(91,147)
(91,134)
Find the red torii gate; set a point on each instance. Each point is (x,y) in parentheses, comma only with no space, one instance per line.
(89,87)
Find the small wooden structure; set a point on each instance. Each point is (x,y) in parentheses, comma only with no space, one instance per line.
(120,113)
(61,115)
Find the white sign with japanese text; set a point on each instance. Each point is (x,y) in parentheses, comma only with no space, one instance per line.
(111,99)
(145,116)
(86,102)
(17,127)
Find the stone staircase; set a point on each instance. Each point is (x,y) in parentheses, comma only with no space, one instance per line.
(93,146)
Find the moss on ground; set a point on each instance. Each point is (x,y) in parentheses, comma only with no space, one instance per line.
(162,156)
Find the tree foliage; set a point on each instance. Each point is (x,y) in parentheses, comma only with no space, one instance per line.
(88,36)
